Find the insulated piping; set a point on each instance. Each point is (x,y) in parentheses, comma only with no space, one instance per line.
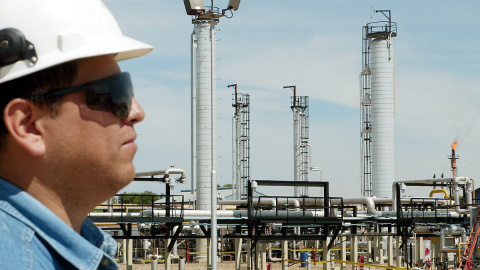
(270,256)
(368,201)
(470,192)
(192,113)
(166,173)
(265,201)
(455,182)
(201,214)
(438,213)
(222,214)
(440,191)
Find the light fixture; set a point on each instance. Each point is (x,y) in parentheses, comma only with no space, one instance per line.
(403,187)
(254,185)
(194,7)
(233,4)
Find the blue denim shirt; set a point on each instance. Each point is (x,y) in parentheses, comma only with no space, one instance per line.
(33,237)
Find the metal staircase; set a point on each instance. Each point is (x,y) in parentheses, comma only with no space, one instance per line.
(365,117)
(472,241)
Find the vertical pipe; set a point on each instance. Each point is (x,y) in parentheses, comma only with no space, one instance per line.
(235,187)
(214,177)
(181,264)
(354,250)
(284,254)
(296,138)
(110,205)
(326,254)
(154,264)
(234,162)
(390,250)
(343,252)
(263,257)
(192,113)
(124,251)
(129,254)
(454,163)
(238,158)
(238,253)
(167,255)
(398,252)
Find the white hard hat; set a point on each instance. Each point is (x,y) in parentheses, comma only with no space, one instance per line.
(38,34)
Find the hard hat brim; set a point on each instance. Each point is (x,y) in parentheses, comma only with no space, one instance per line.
(122,47)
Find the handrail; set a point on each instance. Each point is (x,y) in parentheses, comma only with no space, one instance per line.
(381,27)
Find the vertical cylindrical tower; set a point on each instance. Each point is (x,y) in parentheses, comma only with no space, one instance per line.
(300,145)
(204,127)
(297,154)
(382,64)
(239,153)
(241,150)
(301,155)
(203,114)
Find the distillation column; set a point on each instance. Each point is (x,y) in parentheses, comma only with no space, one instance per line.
(204,142)
(382,65)
(204,137)
(203,114)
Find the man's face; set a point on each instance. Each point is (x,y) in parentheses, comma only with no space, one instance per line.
(92,150)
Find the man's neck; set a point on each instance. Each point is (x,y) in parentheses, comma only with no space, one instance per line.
(65,207)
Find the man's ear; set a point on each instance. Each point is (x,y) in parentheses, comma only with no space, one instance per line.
(21,119)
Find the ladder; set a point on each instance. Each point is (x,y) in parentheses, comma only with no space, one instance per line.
(472,241)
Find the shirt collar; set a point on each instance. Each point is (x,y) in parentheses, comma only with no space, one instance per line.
(84,251)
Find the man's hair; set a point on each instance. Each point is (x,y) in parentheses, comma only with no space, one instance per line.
(38,83)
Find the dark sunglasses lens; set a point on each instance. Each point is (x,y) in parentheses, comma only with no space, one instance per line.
(111,95)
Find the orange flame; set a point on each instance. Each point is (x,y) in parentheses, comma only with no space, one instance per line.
(454,145)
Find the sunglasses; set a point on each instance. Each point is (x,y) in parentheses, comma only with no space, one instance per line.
(112,94)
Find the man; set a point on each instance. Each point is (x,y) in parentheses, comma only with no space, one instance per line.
(67,131)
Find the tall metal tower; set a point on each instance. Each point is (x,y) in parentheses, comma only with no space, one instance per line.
(203,91)
(241,141)
(301,149)
(377,93)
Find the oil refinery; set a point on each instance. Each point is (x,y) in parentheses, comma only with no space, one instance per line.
(246,222)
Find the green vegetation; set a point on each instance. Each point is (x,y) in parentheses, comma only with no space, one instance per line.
(145,197)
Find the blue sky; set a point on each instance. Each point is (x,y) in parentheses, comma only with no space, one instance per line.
(315,45)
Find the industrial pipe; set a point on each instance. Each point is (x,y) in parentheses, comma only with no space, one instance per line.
(166,173)
(268,201)
(446,196)
(454,181)
(270,256)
